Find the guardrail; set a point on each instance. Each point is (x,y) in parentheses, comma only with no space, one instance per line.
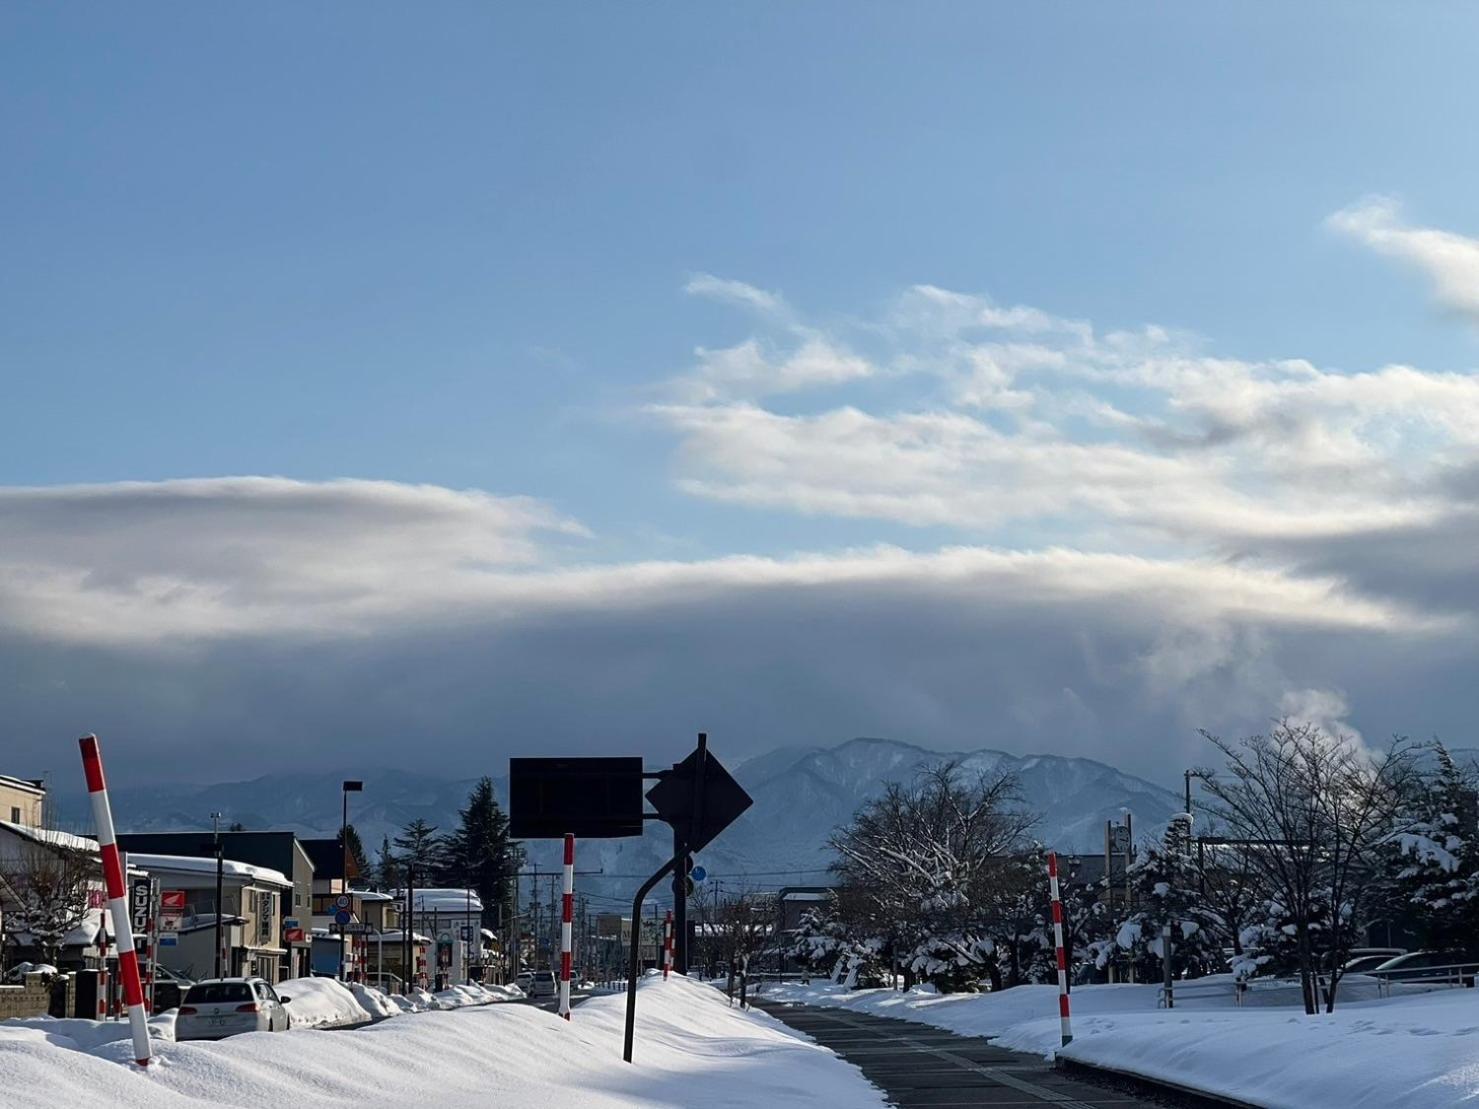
(1450,976)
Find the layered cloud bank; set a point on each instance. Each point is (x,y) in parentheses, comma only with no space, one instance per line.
(1141,537)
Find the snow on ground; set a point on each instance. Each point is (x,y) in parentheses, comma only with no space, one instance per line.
(693,1051)
(1419,1050)
(327,1003)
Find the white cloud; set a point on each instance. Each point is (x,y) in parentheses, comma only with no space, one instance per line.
(219,556)
(1451,261)
(1023,419)
(280,609)
(1326,709)
(734,292)
(253,556)
(750,370)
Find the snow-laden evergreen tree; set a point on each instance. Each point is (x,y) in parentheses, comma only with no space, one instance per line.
(818,940)
(476,854)
(1436,864)
(1163,881)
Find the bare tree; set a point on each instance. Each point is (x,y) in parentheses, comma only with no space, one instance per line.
(44,891)
(925,861)
(1313,812)
(743,924)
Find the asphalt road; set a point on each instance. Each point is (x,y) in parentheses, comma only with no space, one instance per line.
(551,1004)
(921,1067)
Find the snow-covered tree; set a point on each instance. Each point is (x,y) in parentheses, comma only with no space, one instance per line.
(919,865)
(1435,865)
(1164,886)
(1316,813)
(818,940)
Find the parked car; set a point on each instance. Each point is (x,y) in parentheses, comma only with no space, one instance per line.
(1364,959)
(220,1007)
(525,980)
(385,983)
(1424,965)
(543,984)
(170,988)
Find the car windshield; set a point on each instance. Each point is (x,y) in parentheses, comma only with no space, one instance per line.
(217,993)
(545,976)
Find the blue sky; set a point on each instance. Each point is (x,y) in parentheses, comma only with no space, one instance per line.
(467,247)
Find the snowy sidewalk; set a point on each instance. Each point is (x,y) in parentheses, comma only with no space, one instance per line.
(692,1050)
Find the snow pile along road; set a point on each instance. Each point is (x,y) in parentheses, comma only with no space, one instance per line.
(693,1050)
(1415,1051)
(327,1003)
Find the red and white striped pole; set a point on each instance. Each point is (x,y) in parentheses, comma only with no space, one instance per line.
(1062,954)
(123,935)
(667,945)
(567,910)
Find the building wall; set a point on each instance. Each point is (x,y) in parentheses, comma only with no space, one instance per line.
(21,803)
(32,999)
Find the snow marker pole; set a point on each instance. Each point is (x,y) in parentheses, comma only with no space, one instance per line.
(128,957)
(1067,1026)
(667,945)
(568,902)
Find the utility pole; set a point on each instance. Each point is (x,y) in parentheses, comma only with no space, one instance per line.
(220,883)
(408,930)
(349,787)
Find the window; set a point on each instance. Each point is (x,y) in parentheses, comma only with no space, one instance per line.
(218,993)
(15,815)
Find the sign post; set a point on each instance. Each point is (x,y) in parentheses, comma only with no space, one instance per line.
(567,902)
(1065,1025)
(118,908)
(601,798)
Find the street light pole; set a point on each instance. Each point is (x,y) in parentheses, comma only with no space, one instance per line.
(220,882)
(349,787)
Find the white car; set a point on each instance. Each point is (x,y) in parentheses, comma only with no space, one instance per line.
(525,980)
(220,1007)
(543,985)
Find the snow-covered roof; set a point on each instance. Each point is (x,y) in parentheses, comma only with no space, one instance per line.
(84,935)
(370,895)
(50,837)
(447,901)
(806,897)
(398,937)
(186,864)
(22,783)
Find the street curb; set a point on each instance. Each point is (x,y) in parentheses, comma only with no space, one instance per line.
(1187,1096)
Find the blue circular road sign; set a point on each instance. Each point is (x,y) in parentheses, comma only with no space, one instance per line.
(341,917)
(698,874)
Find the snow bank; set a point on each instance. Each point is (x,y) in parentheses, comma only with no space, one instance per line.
(77,1034)
(326,1002)
(693,1050)
(1415,1051)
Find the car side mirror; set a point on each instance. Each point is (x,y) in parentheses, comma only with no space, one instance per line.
(283,999)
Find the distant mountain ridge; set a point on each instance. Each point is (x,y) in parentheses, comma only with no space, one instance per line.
(801,794)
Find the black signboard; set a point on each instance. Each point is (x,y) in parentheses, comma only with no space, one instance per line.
(699,799)
(592,798)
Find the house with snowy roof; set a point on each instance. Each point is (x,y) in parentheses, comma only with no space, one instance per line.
(51,898)
(250,910)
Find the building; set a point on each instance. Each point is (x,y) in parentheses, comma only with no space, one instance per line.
(251,912)
(453,918)
(338,946)
(277,851)
(51,898)
(23,801)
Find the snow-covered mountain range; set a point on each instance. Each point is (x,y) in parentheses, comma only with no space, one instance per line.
(801,795)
